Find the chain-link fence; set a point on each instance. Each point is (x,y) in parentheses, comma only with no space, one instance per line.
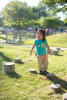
(16,37)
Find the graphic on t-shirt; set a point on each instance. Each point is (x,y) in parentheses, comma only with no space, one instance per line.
(42,45)
(38,45)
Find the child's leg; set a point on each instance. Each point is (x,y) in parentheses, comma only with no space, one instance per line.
(45,63)
(36,53)
(39,58)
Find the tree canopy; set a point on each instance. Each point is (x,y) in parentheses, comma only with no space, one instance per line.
(52,22)
(1,21)
(56,5)
(18,14)
(65,21)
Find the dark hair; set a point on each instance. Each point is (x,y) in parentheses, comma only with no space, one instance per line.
(43,32)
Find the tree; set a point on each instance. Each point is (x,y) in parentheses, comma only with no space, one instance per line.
(52,22)
(65,21)
(53,2)
(56,5)
(40,10)
(18,14)
(34,23)
(15,14)
(1,21)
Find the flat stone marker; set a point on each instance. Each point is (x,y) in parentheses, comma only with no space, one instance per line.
(17,60)
(9,67)
(64,97)
(33,71)
(55,52)
(50,74)
(58,49)
(56,86)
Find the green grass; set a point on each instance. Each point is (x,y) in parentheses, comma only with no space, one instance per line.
(2,37)
(27,86)
(58,40)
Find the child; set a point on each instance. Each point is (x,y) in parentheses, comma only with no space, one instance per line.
(41,45)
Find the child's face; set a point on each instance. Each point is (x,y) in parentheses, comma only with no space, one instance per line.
(39,35)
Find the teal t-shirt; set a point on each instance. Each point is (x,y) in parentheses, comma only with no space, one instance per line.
(41,47)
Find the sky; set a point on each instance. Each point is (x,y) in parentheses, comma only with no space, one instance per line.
(29,2)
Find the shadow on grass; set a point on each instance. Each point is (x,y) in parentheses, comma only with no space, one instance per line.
(3,38)
(59,55)
(5,57)
(57,80)
(14,75)
(20,62)
(1,47)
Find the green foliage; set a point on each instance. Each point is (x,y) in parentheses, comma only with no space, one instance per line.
(53,2)
(34,23)
(14,12)
(1,21)
(18,14)
(40,10)
(56,6)
(62,8)
(65,21)
(52,22)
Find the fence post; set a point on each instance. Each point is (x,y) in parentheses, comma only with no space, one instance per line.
(20,36)
(6,37)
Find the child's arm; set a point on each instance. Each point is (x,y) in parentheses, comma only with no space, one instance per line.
(32,49)
(49,50)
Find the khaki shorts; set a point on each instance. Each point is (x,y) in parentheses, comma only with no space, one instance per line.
(42,64)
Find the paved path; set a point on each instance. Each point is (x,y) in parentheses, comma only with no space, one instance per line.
(50,47)
(2,41)
(31,46)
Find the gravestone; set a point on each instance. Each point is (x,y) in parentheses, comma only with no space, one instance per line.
(17,60)
(64,97)
(58,49)
(56,86)
(54,52)
(9,67)
(33,71)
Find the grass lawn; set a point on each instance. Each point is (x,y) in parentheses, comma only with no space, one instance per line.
(2,37)
(58,40)
(27,86)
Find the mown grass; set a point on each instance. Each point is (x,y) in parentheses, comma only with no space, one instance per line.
(58,40)
(2,37)
(27,86)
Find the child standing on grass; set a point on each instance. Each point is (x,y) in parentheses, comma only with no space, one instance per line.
(41,48)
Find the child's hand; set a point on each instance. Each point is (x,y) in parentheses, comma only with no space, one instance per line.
(35,54)
(50,53)
(30,53)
